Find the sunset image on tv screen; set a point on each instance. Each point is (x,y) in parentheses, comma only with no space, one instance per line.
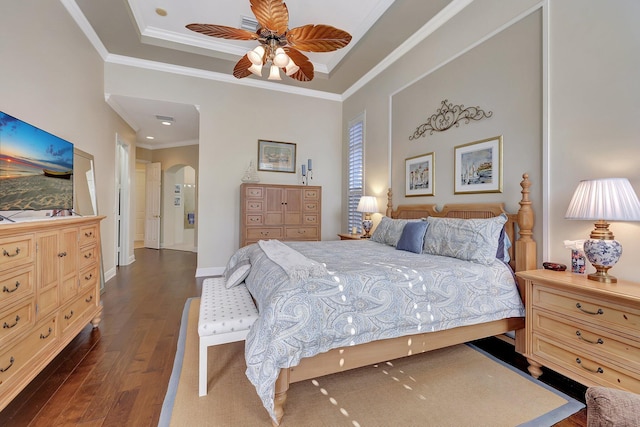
(36,168)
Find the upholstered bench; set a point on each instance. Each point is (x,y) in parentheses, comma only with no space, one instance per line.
(225,316)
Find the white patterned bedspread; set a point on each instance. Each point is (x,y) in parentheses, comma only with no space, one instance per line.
(372,292)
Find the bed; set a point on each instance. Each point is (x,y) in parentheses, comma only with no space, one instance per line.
(357,303)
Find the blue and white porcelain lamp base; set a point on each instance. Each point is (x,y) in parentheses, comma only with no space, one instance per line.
(603,252)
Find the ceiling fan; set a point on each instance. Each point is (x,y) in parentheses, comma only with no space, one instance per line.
(279,45)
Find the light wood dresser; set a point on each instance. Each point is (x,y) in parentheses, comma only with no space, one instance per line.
(585,330)
(283,212)
(49,291)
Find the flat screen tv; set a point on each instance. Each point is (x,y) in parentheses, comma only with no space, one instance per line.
(36,168)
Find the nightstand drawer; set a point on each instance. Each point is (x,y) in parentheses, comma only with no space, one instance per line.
(601,312)
(588,339)
(587,370)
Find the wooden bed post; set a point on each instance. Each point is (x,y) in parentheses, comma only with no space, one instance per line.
(389,202)
(525,245)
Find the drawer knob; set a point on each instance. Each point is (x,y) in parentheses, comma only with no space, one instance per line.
(89,255)
(8,326)
(88,234)
(599,341)
(44,337)
(7,290)
(7,254)
(595,371)
(68,316)
(579,307)
(10,365)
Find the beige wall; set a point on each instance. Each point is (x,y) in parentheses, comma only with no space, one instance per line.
(232,119)
(589,117)
(53,78)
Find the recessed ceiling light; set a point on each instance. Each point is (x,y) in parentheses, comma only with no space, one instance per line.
(160,11)
(166,123)
(150,137)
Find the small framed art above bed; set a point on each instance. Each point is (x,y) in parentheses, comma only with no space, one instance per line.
(426,279)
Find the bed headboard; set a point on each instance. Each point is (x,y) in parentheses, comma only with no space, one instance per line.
(519,226)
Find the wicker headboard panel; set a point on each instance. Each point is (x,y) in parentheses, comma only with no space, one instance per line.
(518,227)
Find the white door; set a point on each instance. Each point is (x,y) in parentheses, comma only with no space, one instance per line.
(152,220)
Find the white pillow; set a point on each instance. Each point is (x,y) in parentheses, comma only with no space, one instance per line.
(467,239)
(236,274)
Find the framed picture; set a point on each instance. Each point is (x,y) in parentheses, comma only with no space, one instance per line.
(177,189)
(419,175)
(276,156)
(177,201)
(478,166)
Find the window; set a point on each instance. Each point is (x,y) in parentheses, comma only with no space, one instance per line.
(356,171)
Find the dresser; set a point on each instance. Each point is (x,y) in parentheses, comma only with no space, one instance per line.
(283,212)
(49,291)
(585,330)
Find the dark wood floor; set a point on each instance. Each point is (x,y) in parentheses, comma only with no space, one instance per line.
(117,375)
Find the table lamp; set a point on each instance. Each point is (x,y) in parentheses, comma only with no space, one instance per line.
(602,200)
(368,205)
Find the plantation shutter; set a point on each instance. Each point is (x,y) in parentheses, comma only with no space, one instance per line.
(356,171)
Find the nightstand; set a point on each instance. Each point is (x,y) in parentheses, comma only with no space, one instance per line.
(585,330)
(349,236)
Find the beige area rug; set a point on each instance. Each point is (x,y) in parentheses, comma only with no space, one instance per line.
(455,386)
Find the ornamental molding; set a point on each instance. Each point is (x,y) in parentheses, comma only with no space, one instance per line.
(447,116)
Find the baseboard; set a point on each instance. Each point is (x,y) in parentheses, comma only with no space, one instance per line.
(209,271)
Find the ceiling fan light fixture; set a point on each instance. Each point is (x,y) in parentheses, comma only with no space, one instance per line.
(274,74)
(280,59)
(291,68)
(256,69)
(256,55)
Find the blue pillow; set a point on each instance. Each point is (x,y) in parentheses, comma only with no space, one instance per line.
(412,237)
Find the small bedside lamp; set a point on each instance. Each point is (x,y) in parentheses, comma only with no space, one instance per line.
(602,200)
(368,205)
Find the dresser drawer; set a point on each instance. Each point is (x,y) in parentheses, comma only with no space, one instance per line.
(88,235)
(311,193)
(253,206)
(310,206)
(75,312)
(89,277)
(264,233)
(301,233)
(16,284)
(88,256)
(16,358)
(16,251)
(254,219)
(254,192)
(310,219)
(15,320)
(588,339)
(585,369)
(607,315)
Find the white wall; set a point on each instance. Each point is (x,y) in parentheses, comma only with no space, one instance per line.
(232,119)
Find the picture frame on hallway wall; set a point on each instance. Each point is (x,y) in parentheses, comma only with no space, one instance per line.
(419,176)
(274,156)
(478,166)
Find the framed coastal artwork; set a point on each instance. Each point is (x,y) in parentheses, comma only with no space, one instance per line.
(276,156)
(419,175)
(478,166)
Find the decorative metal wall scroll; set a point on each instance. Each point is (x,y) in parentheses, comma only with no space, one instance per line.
(447,116)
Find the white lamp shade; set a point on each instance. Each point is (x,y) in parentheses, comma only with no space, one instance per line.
(256,55)
(274,74)
(368,204)
(256,69)
(280,59)
(611,199)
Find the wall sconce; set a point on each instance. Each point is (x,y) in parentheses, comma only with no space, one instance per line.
(307,172)
(367,205)
(602,200)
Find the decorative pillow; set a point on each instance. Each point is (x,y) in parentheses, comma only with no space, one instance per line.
(381,230)
(236,274)
(504,243)
(467,239)
(389,230)
(412,237)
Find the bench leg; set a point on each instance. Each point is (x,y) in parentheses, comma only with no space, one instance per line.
(202,370)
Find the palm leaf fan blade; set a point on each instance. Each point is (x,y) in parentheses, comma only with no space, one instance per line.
(222,32)
(241,69)
(305,73)
(318,38)
(271,14)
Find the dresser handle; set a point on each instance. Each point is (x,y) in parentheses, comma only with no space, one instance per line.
(89,277)
(10,365)
(5,253)
(89,255)
(7,290)
(8,326)
(68,316)
(62,254)
(596,371)
(88,234)
(44,337)
(589,341)
(264,233)
(89,299)
(579,307)
(302,231)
